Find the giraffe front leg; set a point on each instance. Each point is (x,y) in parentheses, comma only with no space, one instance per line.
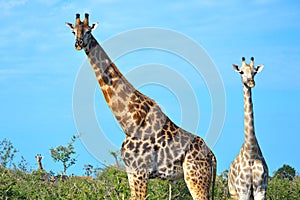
(260,191)
(232,193)
(260,179)
(261,195)
(138,185)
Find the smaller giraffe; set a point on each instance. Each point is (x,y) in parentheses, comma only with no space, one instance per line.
(248,173)
(39,158)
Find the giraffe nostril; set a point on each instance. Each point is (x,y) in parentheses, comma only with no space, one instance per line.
(79,42)
(251,83)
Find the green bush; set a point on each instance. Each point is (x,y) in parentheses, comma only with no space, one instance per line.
(112,183)
(115,186)
(286,189)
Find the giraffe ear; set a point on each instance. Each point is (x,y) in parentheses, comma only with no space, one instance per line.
(259,68)
(236,68)
(94,26)
(70,26)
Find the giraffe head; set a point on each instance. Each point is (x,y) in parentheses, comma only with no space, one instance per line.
(248,71)
(82,31)
(38,157)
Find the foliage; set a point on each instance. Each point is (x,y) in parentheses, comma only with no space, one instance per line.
(112,183)
(88,169)
(221,190)
(64,154)
(285,172)
(23,165)
(7,153)
(115,154)
(279,188)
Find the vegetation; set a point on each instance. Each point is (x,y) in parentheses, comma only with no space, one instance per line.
(64,154)
(7,153)
(111,183)
(285,172)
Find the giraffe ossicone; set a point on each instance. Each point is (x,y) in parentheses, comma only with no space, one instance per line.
(248,173)
(154,147)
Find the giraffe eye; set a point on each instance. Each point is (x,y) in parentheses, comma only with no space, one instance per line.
(73,32)
(241,72)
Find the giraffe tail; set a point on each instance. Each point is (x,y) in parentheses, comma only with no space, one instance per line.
(214,162)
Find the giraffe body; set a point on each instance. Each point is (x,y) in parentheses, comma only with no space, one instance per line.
(248,173)
(154,147)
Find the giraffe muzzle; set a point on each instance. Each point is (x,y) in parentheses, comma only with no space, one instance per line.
(78,44)
(251,83)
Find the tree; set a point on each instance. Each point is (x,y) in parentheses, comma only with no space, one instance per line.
(64,154)
(7,153)
(22,165)
(115,155)
(88,168)
(285,172)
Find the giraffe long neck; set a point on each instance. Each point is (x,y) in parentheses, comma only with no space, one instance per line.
(250,143)
(128,105)
(108,75)
(40,166)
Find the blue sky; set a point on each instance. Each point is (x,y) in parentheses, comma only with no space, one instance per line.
(39,66)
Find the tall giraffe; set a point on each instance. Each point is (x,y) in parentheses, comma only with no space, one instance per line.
(39,158)
(248,173)
(154,147)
